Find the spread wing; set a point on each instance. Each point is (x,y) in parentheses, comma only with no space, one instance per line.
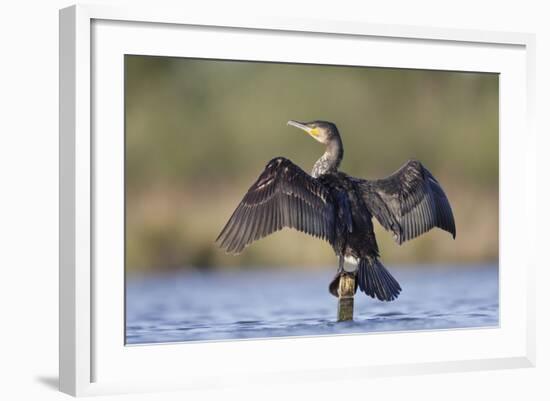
(409,202)
(283,196)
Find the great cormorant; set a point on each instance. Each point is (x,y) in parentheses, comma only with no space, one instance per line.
(338,208)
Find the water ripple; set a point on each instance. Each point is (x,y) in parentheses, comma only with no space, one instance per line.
(174,308)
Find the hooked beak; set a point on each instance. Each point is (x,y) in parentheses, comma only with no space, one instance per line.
(298,124)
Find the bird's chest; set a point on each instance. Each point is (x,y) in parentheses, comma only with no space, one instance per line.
(344,203)
(354,229)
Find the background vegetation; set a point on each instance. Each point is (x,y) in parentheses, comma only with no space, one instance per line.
(199,132)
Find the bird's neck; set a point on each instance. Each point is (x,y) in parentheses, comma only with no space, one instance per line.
(330,161)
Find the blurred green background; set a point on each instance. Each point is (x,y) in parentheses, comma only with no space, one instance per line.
(199,132)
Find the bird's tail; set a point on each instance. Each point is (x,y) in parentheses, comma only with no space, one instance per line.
(375,281)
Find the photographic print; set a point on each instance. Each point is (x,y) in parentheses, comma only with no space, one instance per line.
(267,200)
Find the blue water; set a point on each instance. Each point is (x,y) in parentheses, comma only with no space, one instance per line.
(273,303)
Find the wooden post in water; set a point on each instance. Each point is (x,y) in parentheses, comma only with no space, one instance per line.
(346,291)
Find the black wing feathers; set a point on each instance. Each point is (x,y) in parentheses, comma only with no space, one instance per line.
(409,202)
(283,196)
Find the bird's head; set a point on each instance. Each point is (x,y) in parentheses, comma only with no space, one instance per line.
(323,131)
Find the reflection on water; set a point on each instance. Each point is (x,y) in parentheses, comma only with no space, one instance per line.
(274,303)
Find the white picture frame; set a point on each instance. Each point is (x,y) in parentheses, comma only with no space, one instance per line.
(93,358)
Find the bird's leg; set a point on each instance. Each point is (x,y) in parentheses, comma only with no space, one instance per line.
(333,286)
(340,264)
